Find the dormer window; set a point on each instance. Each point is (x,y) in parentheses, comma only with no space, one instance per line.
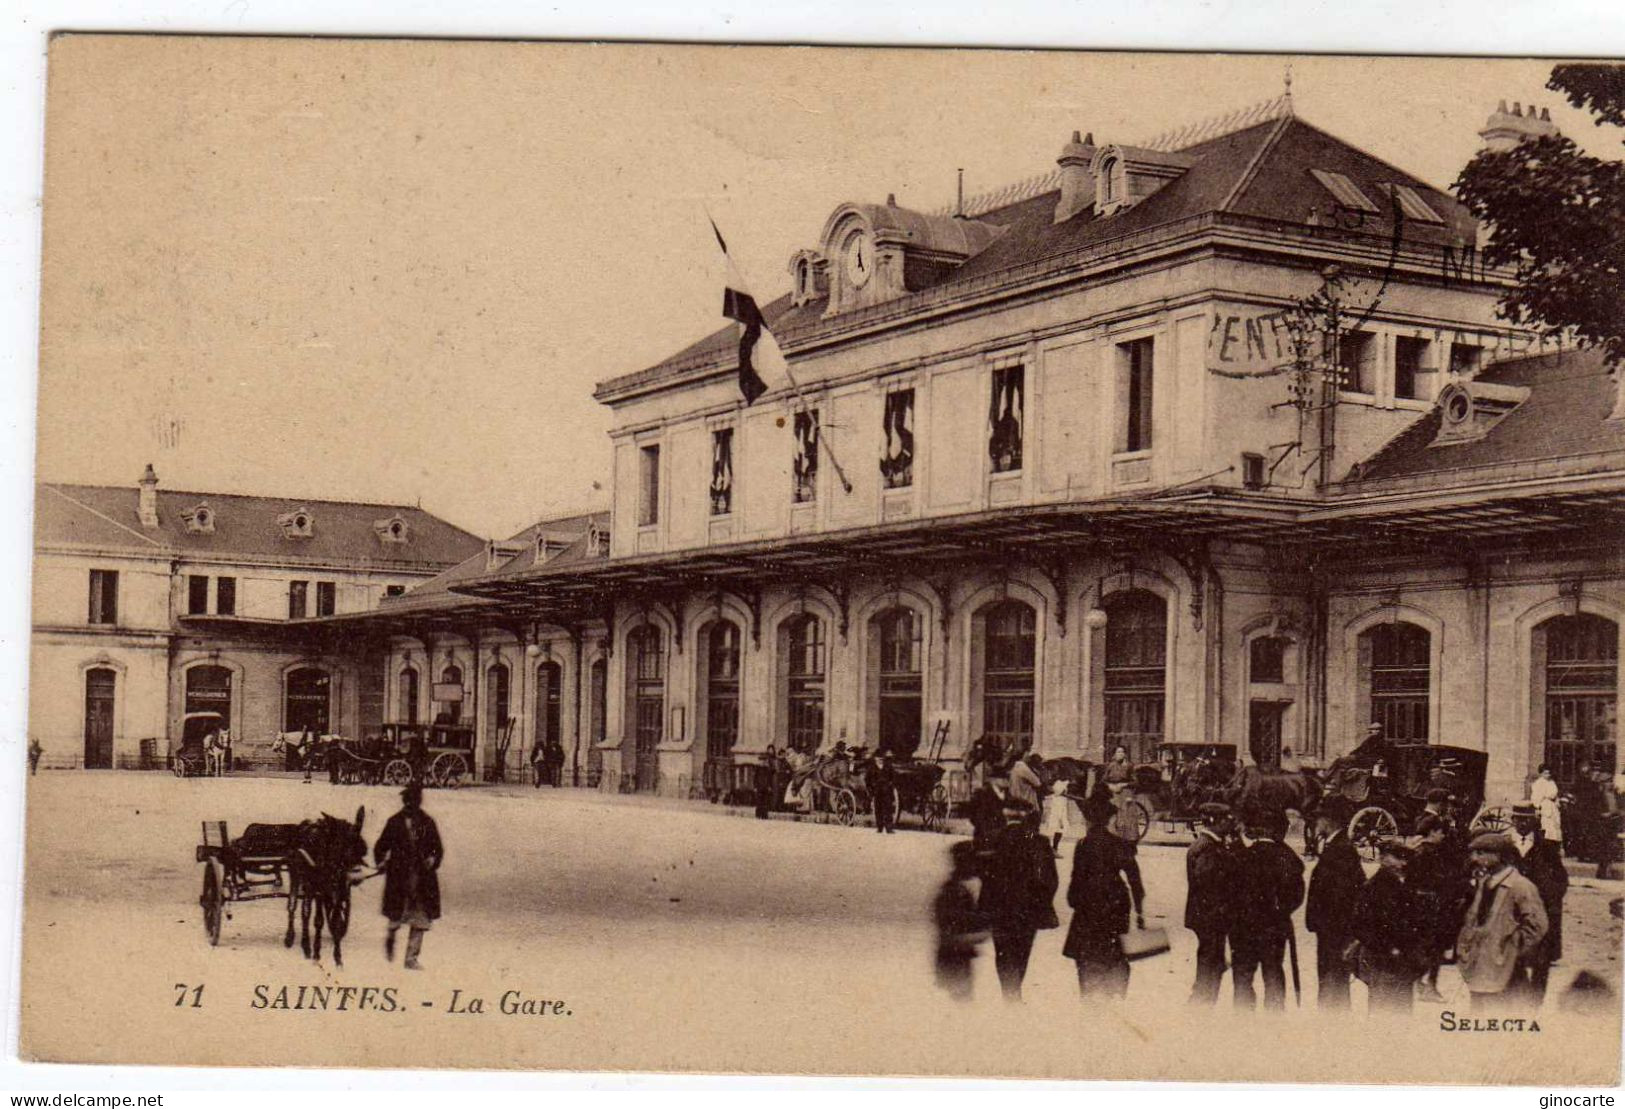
(199,520)
(1345,191)
(597,542)
(297,524)
(1126,175)
(807,280)
(392,530)
(1109,187)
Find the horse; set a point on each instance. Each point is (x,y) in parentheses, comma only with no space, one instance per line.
(325,853)
(1254,792)
(997,753)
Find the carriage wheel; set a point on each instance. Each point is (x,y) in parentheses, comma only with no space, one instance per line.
(213,901)
(1133,821)
(1491,818)
(1369,827)
(936,809)
(178,765)
(398,773)
(448,770)
(845,806)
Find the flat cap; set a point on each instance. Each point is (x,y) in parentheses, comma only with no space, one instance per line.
(1491,841)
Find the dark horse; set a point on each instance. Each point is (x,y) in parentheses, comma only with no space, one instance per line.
(1254,793)
(325,853)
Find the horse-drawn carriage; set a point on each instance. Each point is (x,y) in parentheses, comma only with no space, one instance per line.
(838,785)
(312,866)
(1387,798)
(191,759)
(430,754)
(1184,777)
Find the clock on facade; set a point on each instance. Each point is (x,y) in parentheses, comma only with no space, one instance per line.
(858,258)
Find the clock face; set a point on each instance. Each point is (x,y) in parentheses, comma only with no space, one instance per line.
(858,257)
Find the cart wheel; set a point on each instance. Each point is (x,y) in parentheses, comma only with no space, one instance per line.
(1491,818)
(449,770)
(1133,821)
(1369,827)
(936,809)
(178,765)
(398,773)
(845,805)
(212,900)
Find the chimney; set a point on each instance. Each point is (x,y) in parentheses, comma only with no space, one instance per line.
(147,506)
(1077,185)
(1505,130)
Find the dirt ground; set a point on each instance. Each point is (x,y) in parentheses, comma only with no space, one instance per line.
(672,936)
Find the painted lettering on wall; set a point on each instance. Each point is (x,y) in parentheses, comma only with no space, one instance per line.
(1249,342)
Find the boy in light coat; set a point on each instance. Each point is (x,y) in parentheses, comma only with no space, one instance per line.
(1505,921)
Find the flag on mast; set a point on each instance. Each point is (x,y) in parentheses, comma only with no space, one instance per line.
(761,363)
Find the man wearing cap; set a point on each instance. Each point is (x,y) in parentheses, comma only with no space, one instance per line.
(1334,890)
(1209,873)
(1505,921)
(1388,923)
(1267,890)
(1438,878)
(409,853)
(1541,861)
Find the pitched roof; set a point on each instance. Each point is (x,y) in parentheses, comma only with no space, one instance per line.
(1264,170)
(1562,424)
(108,517)
(437,592)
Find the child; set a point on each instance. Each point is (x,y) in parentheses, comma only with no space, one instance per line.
(1057,815)
(959,925)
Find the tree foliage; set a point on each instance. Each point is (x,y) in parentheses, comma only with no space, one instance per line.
(1557,215)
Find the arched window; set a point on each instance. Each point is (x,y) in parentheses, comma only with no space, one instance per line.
(598,694)
(803,661)
(1009,660)
(549,680)
(1135,673)
(101,684)
(496,705)
(895,644)
(1395,661)
(451,678)
(719,700)
(306,701)
(409,695)
(646,697)
(1577,676)
(1108,180)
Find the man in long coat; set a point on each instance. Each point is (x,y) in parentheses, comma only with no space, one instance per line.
(1334,890)
(1389,922)
(1541,861)
(1019,880)
(1209,871)
(1105,885)
(409,852)
(1268,889)
(1505,921)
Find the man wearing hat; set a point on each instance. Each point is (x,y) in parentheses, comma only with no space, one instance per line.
(1505,922)
(409,853)
(1334,891)
(1267,890)
(1209,874)
(1388,923)
(1017,899)
(1105,886)
(1541,861)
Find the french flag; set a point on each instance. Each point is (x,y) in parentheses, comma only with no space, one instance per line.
(761,364)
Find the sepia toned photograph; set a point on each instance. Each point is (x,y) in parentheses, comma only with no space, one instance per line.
(827,561)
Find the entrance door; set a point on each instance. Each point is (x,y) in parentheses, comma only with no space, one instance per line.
(1264,733)
(549,677)
(307,702)
(900,686)
(100,684)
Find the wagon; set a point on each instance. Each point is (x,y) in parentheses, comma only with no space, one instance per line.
(1185,776)
(1378,805)
(189,760)
(429,754)
(253,867)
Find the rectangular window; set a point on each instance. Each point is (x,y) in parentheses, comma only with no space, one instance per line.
(326,598)
(1410,363)
(197,594)
(1357,361)
(804,467)
(722,471)
(104,596)
(1004,418)
(394,590)
(1134,396)
(649,485)
(1466,359)
(897,428)
(225,596)
(1268,661)
(298,600)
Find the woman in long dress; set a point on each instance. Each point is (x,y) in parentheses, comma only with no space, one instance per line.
(1544,793)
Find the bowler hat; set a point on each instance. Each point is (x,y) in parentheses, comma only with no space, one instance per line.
(1213,810)
(412,794)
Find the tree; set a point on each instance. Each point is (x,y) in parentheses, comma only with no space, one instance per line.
(1557,215)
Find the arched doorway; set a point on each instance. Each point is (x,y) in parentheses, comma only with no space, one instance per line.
(449,695)
(1577,686)
(1009,660)
(1395,662)
(409,695)
(1134,678)
(498,732)
(896,653)
(646,696)
(549,679)
(306,701)
(803,661)
(101,686)
(719,700)
(598,695)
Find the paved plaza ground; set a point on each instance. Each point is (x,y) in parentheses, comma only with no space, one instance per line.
(677,934)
